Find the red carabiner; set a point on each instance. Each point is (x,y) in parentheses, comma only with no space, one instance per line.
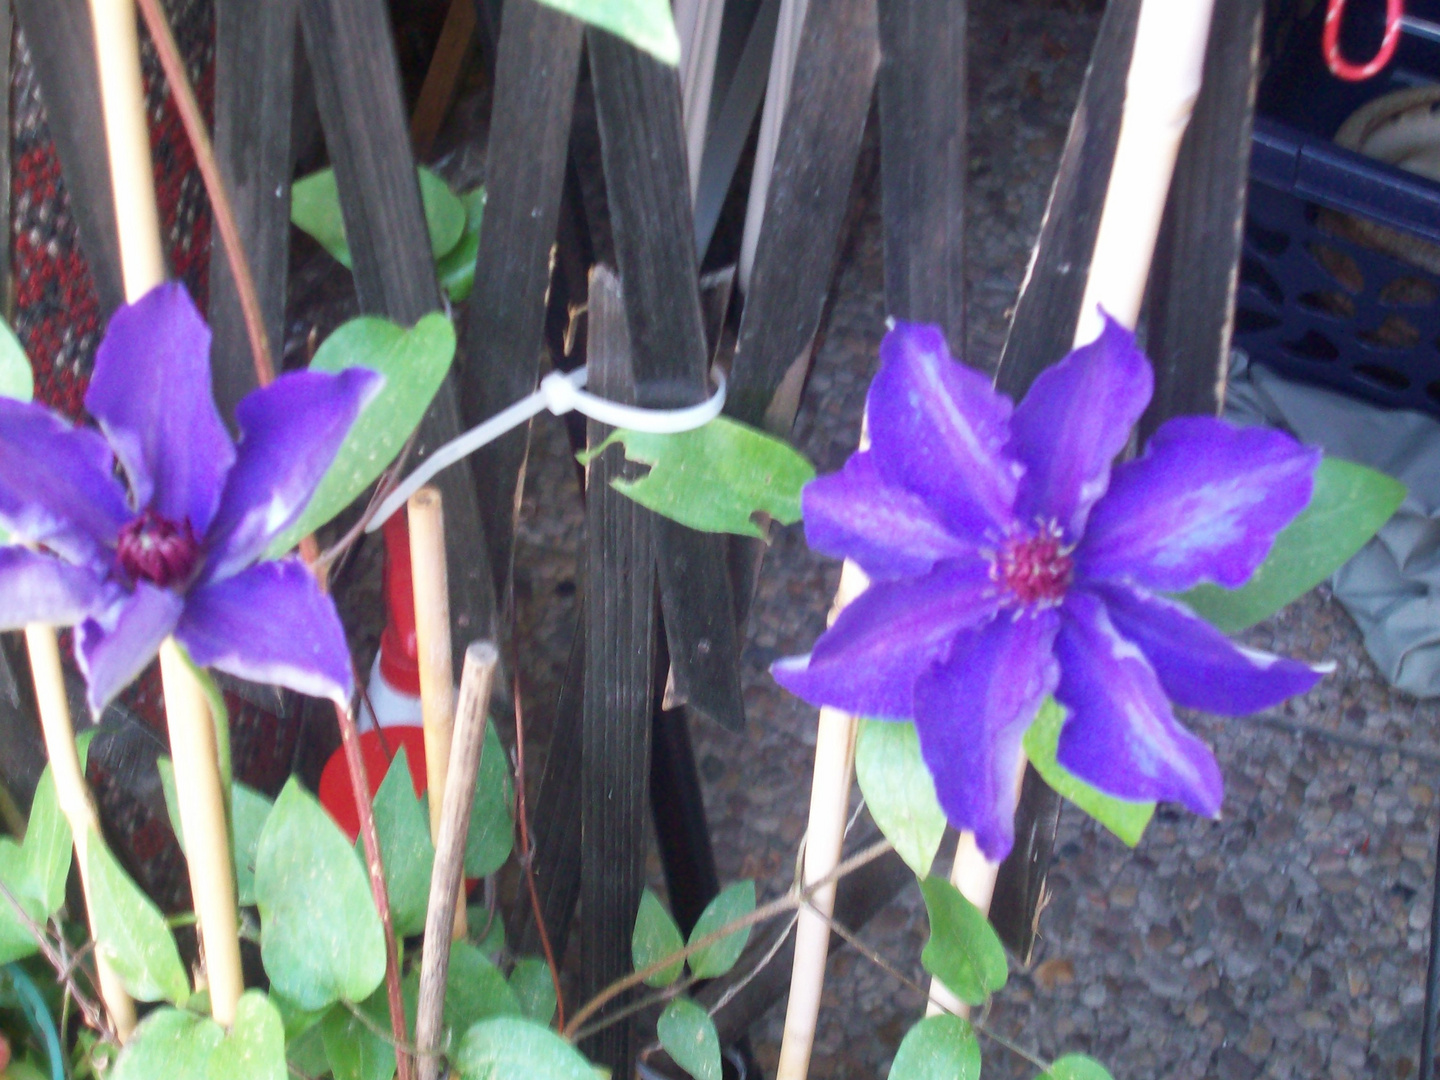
(1330,42)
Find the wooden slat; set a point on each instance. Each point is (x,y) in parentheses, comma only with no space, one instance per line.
(643,148)
(62,49)
(503,343)
(619,677)
(1197,258)
(923,119)
(254,96)
(357,88)
(1041,332)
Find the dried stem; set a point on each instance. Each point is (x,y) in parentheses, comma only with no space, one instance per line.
(194,123)
(64,967)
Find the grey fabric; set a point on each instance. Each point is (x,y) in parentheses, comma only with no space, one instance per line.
(1392,586)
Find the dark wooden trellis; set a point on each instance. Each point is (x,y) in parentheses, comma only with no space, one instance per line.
(621,735)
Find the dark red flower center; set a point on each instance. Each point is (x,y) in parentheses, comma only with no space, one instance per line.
(155,549)
(1036,569)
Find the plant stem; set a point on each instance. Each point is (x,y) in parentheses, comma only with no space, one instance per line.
(74,795)
(224,213)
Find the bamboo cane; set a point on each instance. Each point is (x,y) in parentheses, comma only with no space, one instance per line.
(432,644)
(74,795)
(199,788)
(1160,92)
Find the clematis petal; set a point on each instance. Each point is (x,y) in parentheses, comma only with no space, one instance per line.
(269,624)
(291,431)
(1121,734)
(867,662)
(939,429)
(971,713)
(1199,667)
(887,530)
(1203,504)
(151,394)
(56,484)
(1074,421)
(115,647)
(36,588)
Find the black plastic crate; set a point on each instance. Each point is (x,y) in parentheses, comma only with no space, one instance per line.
(1324,296)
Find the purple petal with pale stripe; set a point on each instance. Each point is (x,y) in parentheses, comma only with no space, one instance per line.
(1121,735)
(290,433)
(1203,504)
(151,394)
(889,531)
(971,713)
(115,647)
(868,661)
(1199,667)
(269,624)
(36,588)
(939,429)
(1074,421)
(56,484)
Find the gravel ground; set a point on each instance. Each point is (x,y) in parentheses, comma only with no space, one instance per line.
(1286,940)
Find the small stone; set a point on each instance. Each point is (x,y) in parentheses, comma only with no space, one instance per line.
(1093,995)
(1258,1042)
(1057,972)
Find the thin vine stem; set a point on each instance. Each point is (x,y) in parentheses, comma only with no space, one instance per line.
(65,968)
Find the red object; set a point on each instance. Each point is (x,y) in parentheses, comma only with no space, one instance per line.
(399,653)
(1330,42)
(378,748)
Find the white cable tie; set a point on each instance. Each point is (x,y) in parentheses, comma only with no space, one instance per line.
(560,393)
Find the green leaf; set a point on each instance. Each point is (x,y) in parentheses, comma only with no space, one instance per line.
(507,1048)
(475,990)
(315,209)
(457,269)
(130,932)
(48,845)
(1125,819)
(1076,1067)
(1349,505)
(646,24)
(414,362)
(17,379)
(353,1050)
(16,941)
(715,477)
(938,1048)
(963,952)
(249,811)
(405,847)
(493,943)
(492,815)
(534,989)
(320,937)
(688,1035)
(176,1045)
(899,792)
(733,903)
(656,936)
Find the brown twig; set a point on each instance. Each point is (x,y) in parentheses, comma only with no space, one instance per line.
(527,863)
(64,968)
(194,123)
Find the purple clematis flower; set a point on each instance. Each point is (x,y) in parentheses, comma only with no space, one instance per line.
(1009,561)
(177,553)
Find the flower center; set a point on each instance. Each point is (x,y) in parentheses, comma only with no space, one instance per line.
(155,549)
(1036,569)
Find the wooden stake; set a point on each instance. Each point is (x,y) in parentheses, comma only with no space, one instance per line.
(481,659)
(74,795)
(442,75)
(432,643)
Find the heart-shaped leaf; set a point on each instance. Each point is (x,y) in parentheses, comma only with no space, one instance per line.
(405,848)
(16,939)
(176,1045)
(48,845)
(475,990)
(688,1035)
(492,813)
(457,268)
(899,792)
(938,1048)
(656,936)
(315,209)
(1125,819)
(646,24)
(320,937)
(733,903)
(714,478)
(507,1048)
(963,952)
(130,932)
(414,362)
(534,989)
(1076,1067)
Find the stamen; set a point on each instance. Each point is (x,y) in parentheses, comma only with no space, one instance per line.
(155,549)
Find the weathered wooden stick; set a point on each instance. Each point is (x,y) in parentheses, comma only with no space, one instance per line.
(199,787)
(476,682)
(440,80)
(74,795)
(432,643)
